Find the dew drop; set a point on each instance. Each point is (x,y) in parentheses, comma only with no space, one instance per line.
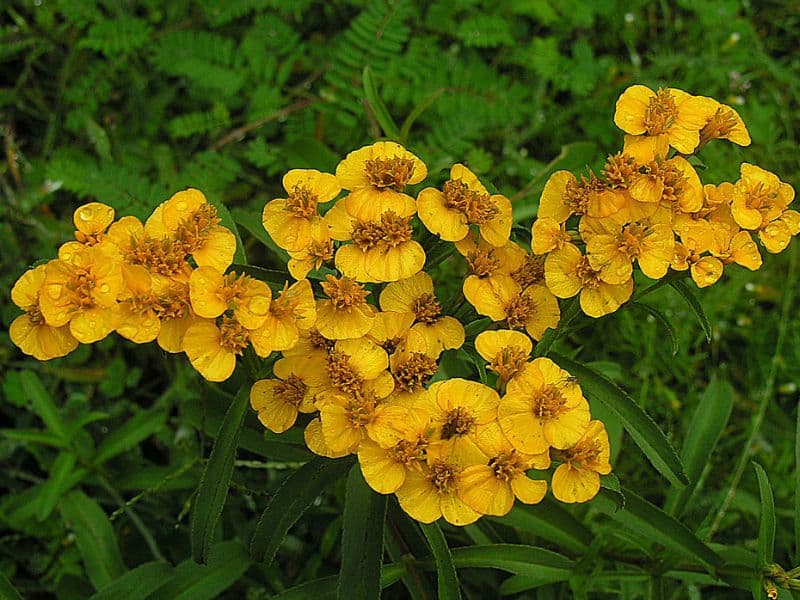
(85,214)
(104,288)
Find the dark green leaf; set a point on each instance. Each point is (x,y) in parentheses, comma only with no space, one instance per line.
(550,521)
(377,105)
(515,558)
(324,588)
(136,583)
(135,430)
(216,478)
(663,321)
(34,436)
(417,111)
(55,486)
(448,587)
(94,537)
(226,220)
(291,500)
(766,527)
(638,423)
(43,404)
(7,591)
(687,294)
(705,428)
(362,540)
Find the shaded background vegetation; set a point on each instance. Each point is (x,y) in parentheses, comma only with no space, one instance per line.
(128,102)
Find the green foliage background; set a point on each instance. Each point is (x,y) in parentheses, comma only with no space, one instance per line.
(128,102)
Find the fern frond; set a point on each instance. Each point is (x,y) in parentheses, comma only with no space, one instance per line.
(199,122)
(117,36)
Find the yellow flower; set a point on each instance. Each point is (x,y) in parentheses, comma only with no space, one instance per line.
(390,329)
(668,116)
(411,365)
(347,418)
(376,176)
(316,441)
(697,238)
(673,184)
(346,313)
(725,124)
(212,349)
(174,310)
(548,234)
(543,407)
(138,307)
(732,245)
(568,272)
(464,201)
(506,351)
(193,223)
(485,260)
(578,478)
(435,490)
(490,488)
(318,252)
(30,332)
(82,293)
(310,344)
(289,220)
(91,222)
(352,364)
(293,311)
(415,295)
(651,244)
(277,401)
(143,245)
(213,293)
(563,196)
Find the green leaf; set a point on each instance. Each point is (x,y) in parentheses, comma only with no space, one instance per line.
(324,588)
(251,221)
(377,105)
(226,220)
(654,525)
(34,436)
(136,583)
(705,428)
(515,558)
(216,478)
(7,591)
(637,423)
(43,404)
(227,561)
(417,112)
(94,537)
(362,540)
(687,294)
(135,430)
(448,588)
(54,487)
(550,521)
(663,321)
(291,500)
(766,526)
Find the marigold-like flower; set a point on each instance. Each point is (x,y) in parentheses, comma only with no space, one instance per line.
(346,313)
(289,220)
(506,351)
(174,311)
(213,293)
(577,479)
(411,364)
(563,196)
(651,244)
(725,124)
(318,252)
(292,311)
(352,363)
(138,306)
(29,331)
(91,222)
(548,234)
(212,349)
(346,418)
(149,247)
(390,329)
(697,238)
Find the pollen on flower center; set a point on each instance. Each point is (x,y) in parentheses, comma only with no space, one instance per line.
(760,196)
(630,239)
(233,336)
(548,402)
(476,206)
(35,315)
(577,193)
(588,276)
(389,173)
(444,477)
(302,202)
(619,170)
(719,125)
(519,311)
(457,422)
(483,262)
(172,305)
(318,341)
(530,272)
(193,232)
(81,285)
(291,390)
(143,303)
(426,308)
(586,452)
(407,452)
(390,232)
(341,373)
(504,465)
(673,178)
(321,251)
(360,410)
(162,256)
(660,113)
(344,292)
(508,362)
(415,371)
(89,239)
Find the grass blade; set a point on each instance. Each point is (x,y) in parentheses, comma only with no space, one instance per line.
(687,294)
(55,486)
(637,423)
(377,105)
(663,321)
(766,527)
(136,583)
(43,404)
(213,488)
(445,569)
(7,591)
(550,521)
(362,540)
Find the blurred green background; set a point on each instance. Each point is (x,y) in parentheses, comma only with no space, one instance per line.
(128,102)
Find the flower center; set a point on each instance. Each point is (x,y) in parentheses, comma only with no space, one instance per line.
(291,390)
(35,315)
(89,239)
(476,206)
(389,173)
(318,341)
(619,170)
(302,202)
(760,196)
(586,452)
(444,477)
(342,374)
(142,304)
(508,362)
(360,410)
(162,256)
(233,336)
(408,452)
(415,371)
(548,402)
(519,311)
(578,193)
(193,232)
(588,276)
(505,465)
(483,262)
(720,125)
(81,285)
(174,304)
(390,232)
(660,113)
(630,239)
(344,292)
(675,183)
(458,421)
(426,308)
(530,272)
(320,252)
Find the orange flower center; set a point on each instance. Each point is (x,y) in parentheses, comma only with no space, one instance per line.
(408,452)
(163,256)
(630,239)
(291,390)
(415,371)
(81,285)
(660,113)
(342,374)
(233,288)
(675,183)
(619,171)
(318,341)
(390,232)
(232,336)
(459,421)
(444,477)
(302,202)
(585,452)
(578,193)
(91,238)
(360,411)
(142,304)
(320,252)
(519,311)
(389,173)
(35,315)
(174,304)
(718,126)
(548,402)
(508,362)
(760,196)
(284,305)
(530,272)
(483,262)
(506,465)
(193,232)
(476,206)
(588,276)
(344,292)
(426,308)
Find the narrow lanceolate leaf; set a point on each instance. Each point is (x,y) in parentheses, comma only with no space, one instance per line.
(7,591)
(515,558)
(42,403)
(216,478)
(378,107)
(55,486)
(766,527)
(135,430)
(705,428)
(226,220)
(550,521)
(324,588)
(136,583)
(362,540)
(663,322)
(292,500)
(227,561)
(445,569)
(94,537)
(688,294)
(652,524)
(637,423)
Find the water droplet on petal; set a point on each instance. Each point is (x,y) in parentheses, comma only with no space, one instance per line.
(181,205)
(85,214)
(104,288)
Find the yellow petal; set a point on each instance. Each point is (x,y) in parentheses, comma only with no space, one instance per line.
(449,224)
(630,109)
(551,203)
(574,485)
(93,217)
(205,285)
(528,490)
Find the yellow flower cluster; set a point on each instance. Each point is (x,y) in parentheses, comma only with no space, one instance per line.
(649,207)
(360,349)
